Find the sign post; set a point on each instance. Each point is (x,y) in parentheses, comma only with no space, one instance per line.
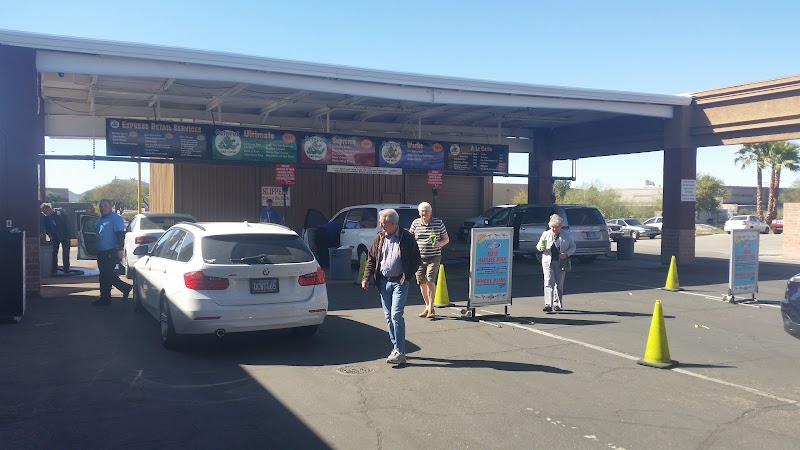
(434,181)
(491,258)
(743,269)
(284,174)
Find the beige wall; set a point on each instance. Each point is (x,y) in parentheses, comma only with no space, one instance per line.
(791,230)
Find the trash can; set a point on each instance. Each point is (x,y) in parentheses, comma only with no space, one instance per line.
(625,248)
(45,259)
(340,263)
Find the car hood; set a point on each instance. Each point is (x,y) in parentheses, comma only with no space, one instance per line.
(476,219)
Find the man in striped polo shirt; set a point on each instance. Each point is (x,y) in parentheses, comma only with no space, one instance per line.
(431,236)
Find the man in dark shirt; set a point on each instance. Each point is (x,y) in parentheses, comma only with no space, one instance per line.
(57,227)
(391,263)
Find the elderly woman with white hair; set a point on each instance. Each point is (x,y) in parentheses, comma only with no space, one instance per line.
(556,246)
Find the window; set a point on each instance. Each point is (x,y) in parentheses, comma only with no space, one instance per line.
(577,217)
(173,245)
(339,220)
(406,217)
(187,248)
(158,249)
(501,217)
(357,217)
(162,222)
(537,214)
(274,249)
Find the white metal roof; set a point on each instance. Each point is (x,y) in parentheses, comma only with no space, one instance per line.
(86,80)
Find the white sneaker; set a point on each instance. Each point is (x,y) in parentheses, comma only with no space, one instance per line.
(399,358)
(392,356)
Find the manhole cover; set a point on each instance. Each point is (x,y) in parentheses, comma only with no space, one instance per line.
(354,370)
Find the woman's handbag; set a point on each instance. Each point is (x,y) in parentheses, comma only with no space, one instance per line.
(565,264)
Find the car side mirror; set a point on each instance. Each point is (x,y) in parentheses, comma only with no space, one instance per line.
(140,250)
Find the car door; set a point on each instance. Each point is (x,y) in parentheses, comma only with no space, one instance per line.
(355,228)
(534,222)
(87,240)
(314,218)
(153,271)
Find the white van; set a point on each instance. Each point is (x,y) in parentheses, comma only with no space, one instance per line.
(354,227)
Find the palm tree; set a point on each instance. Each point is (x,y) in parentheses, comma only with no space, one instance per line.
(757,155)
(782,155)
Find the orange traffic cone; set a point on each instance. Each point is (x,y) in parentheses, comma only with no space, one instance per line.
(441,299)
(656,354)
(672,277)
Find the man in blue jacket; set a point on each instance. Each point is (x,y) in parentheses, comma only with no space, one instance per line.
(109,238)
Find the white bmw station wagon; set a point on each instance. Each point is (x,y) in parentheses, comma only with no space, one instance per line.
(222,277)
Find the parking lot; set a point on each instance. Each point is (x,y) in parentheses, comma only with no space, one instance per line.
(81,377)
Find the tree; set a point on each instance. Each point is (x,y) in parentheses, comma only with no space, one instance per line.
(560,189)
(755,154)
(122,194)
(52,197)
(782,155)
(710,191)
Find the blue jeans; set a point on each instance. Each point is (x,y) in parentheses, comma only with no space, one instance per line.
(393,299)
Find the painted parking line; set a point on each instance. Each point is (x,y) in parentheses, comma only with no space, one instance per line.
(634,358)
(697,294)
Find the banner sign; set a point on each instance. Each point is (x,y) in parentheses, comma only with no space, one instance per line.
(477,158)
(155,139)
(284,174)
(181,140)
(365,170)
(491,260)
(276,194)
(434,179)
(253,144)
(338,150)
(411,154)
(743,269)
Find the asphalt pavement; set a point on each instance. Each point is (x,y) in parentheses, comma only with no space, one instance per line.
(75,376)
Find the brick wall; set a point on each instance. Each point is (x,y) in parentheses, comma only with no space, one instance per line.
(32,277)
(680,243)
(791,230)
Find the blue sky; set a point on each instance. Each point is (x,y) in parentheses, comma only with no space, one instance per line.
(656,47)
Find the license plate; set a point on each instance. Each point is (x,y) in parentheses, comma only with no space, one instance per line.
(591,235)
(264,286)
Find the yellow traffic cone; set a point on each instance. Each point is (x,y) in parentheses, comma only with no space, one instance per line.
(362,264)
(657,352)
(441,299)
(672,277)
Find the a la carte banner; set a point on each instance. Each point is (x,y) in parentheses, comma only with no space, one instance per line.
(411,154)
(490,266)
(338,150)
(477,158)
(125,137)
(743,269)
(253,144)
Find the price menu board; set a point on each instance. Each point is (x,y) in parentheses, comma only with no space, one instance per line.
(477,158)
(126,137)
(411,154)
(253,144)
(338,150)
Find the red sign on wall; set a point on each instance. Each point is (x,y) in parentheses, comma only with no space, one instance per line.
(284,174)
(434,179)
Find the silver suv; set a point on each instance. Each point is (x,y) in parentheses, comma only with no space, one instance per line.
(585,223)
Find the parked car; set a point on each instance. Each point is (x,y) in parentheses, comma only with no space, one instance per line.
(633,228)
(146,228)
(790,307)
(614,231)
(585,223)
(746,222)
(222,277)
(463,230)
(354,227)
(657,222)
(777,225)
